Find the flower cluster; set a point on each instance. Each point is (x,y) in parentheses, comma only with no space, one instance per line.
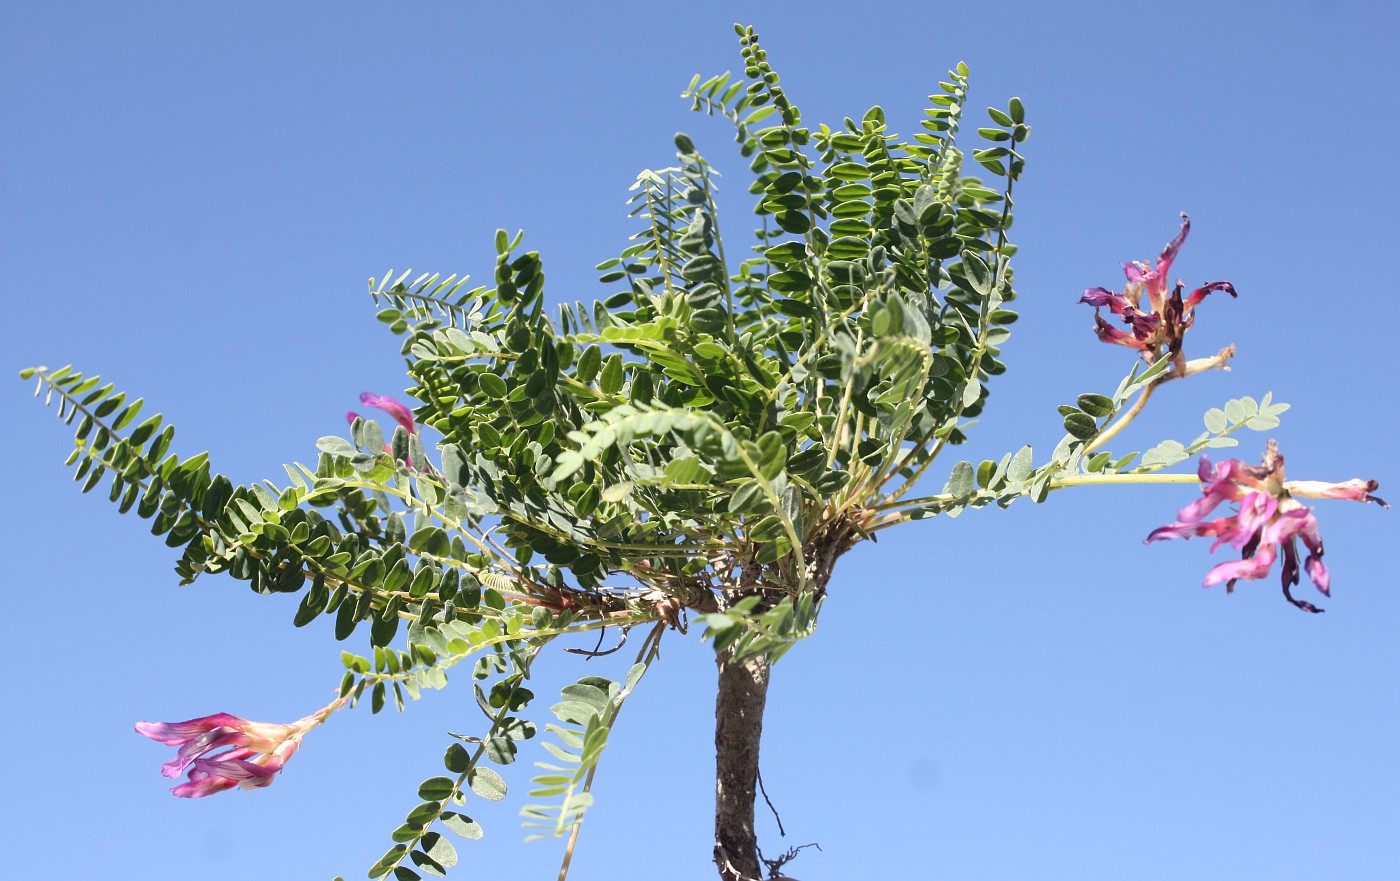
(1157,325)
(253,751)
(1268,521)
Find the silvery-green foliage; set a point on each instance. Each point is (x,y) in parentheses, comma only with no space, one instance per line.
(709,436)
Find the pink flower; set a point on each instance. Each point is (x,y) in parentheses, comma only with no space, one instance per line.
(1158,324)
(402,415)
(1155,280)
(1268,521)
(255,752)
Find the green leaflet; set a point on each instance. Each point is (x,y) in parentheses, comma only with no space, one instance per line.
(719,408)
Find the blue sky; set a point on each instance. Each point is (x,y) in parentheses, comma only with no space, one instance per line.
(193,195)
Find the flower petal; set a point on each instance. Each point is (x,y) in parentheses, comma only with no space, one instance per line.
(176,733)
(1255,512)
(235,769)
(1216,487)
(1222,527)
(1164,262)
(1317,571)
(401,414)
(200,746)
(1110,334)
(1251,569)
(1144,325)
(202,787)
(1199,293)
(1100,297)
(1289,573)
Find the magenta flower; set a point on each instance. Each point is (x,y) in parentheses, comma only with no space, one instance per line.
(1158,323)
(402,415)
(253,751)
(1268,521)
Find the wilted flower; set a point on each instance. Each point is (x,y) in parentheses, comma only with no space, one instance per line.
(1158,324)
(256,750)
(1267,523)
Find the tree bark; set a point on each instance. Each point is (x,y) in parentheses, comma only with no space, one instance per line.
(743,690)
(739,703)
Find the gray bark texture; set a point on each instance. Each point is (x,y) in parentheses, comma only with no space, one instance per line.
(742,693)
(743,690)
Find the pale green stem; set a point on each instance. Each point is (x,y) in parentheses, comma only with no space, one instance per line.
(1123,421)
(893,514)
(648,653)
(723,264)
(1113,479)
(448,661)
(840,421)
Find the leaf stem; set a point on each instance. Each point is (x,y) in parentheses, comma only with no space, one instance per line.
(648,653)
(896,512)
(1122,421)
